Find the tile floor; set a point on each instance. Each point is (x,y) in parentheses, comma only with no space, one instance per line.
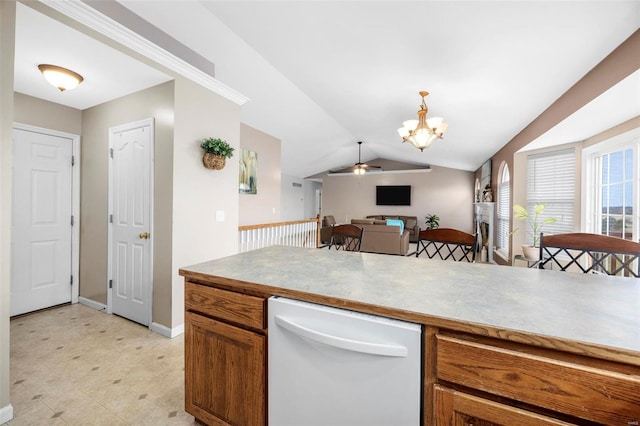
(75,365)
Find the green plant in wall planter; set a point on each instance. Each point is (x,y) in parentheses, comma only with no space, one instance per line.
(432,221)
(216,151)
(534,227)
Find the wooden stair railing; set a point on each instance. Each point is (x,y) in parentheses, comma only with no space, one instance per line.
(296,233)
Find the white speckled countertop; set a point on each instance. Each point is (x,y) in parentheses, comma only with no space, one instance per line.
(593,309)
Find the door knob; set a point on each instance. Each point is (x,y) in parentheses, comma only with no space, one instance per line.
(144,236)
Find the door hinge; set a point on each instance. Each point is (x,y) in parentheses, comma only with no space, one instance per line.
(72,220)
(110,283)
(73,161)
(110,218)
(111,152)
(71,280)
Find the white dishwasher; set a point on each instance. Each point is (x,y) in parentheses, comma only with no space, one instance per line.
(334,367)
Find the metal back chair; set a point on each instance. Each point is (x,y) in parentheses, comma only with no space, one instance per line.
(590,253)
(346,237)
(448,244)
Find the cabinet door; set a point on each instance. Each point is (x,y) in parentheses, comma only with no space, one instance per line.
(224,373)
(453,408)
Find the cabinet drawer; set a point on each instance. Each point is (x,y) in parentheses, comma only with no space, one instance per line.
(579,390)
(457,408)
(226,305)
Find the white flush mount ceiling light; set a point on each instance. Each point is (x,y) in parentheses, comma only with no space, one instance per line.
(61,78)
(423,131)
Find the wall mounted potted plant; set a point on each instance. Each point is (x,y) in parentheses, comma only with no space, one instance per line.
(216,151)
(532,252)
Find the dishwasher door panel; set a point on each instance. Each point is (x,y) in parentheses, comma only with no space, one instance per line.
(330,366)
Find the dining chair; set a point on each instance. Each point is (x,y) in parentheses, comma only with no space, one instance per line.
(590,253)
(346,237)
(447,243)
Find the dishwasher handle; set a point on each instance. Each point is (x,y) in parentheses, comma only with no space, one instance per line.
(372,348)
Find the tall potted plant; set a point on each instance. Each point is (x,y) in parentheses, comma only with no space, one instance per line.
(216,151)
(534,227)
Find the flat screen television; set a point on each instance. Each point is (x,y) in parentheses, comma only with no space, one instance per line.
(393,195)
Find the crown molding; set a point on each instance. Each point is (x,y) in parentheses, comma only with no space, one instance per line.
(108,27)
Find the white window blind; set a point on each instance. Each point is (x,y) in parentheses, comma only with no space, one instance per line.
(503,213)
(551,181)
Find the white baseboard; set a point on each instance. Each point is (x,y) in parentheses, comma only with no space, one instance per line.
(155,327)
(6,414)
(166,331)
(92,304)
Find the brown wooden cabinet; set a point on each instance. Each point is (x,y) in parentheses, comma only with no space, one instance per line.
(473,375)
(225,365)
(566,385)
(460,409)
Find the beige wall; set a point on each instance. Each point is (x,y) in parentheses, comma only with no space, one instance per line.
(446,192)
(157,103)
(263,207)
(199,192)
(45,114)
(7,47)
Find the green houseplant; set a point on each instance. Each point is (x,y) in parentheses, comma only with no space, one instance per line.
(432,221)
(216,151)
(534,227)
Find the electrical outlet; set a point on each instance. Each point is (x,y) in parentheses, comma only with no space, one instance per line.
(220,216)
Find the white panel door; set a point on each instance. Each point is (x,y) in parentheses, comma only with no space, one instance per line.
(131,222)
(41,221)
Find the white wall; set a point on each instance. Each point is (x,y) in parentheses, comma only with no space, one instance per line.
(199,193)
(445,192)
(310,207)
(7,38)
(292,199)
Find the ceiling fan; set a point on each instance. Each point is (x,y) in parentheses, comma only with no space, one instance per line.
(359,168)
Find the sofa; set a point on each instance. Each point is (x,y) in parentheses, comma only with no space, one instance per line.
(381,238)
(410,224)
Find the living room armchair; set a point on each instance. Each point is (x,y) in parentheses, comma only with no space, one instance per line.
(328,222)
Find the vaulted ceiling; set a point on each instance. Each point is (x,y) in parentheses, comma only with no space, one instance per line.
(322,75)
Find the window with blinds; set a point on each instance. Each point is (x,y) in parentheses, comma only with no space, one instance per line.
(551,181)
(503,213)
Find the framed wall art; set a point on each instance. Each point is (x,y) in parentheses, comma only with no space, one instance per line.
(248,172)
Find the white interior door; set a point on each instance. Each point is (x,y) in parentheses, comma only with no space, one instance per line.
(41,221)
(130,259)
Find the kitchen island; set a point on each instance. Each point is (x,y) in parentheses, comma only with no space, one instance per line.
(502,345)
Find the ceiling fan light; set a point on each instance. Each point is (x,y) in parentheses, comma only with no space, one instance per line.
(61,78)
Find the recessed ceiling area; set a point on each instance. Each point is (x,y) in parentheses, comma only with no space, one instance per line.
(615,106)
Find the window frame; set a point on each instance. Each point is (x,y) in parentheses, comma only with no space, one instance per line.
(560,198)
(502,214)
(591,196)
